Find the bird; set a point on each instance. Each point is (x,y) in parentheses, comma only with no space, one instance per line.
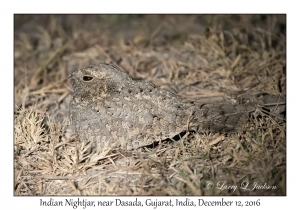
(111,110)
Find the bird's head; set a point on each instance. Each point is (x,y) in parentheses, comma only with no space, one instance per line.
(98,81)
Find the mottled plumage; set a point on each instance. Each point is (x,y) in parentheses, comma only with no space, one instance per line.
(112,110)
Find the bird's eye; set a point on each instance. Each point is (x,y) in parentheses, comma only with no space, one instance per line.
(87,78)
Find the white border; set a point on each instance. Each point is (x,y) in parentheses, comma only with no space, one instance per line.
(8,201)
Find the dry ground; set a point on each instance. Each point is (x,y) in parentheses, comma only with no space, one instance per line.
(216,58)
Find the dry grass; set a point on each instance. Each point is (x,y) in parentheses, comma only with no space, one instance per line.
(203,58)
